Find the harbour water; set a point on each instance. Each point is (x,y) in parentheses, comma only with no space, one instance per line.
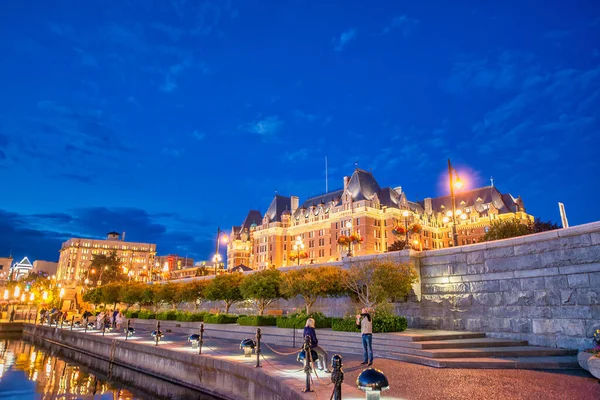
(40,370)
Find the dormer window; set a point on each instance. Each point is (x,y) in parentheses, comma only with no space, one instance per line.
(463,203)
(479,199)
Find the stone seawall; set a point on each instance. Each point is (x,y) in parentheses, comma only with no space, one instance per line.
(215,376)
(543,288)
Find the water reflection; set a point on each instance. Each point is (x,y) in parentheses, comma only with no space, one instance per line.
(31,372)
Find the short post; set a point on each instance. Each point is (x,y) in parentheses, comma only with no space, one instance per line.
(201,341)
(258,336)
(103,326)
(127,329)
(35,320)
(72,322)
(157,333)
(86,324)
(62,320)
(307,364)
(337,377)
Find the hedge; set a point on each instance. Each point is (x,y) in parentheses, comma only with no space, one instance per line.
(167,315)
(299,320)
(132,314)
(220,319)
(145,314)
(384,323)
(257,320)
(191,317)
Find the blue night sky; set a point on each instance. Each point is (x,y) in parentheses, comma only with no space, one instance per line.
(166,119)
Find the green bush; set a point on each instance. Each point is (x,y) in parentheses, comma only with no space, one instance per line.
(344,325)
(132,314)
(299,320)
(190,317)
(145,314)
(381,323)
(167,315)
(220,319)
(257,320)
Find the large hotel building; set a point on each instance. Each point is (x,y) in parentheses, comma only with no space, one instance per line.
(76,256)
(362,207)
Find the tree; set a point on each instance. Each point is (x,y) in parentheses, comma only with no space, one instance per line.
(93,296)
(543,226)
(262,288)
(166,294)
(397,245)
(194,292)
(111,294)
(378,281)
(225,288)
(508,228)
(311,283)
(132,294)
(108,268)
(149,297)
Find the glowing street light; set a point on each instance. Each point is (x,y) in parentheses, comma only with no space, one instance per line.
(45,296)
(6,294)
(17,291)
(221,238)
(405,214)
(454,182)
(298,247)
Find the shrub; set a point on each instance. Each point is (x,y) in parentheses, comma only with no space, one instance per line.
(190,317)
(220,319)
(299,320)
(145,314)
(132,314)
(257,320)
(381,323)
(167,316)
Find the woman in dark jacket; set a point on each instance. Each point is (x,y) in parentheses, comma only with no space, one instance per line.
(309,330)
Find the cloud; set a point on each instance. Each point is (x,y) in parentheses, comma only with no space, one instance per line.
(86,59)
(170,83)
(265,127)
(171,31)
(299,155)
(39,236)
(344,38)
(198,135)
(301,115)
(173,152)
(402,23)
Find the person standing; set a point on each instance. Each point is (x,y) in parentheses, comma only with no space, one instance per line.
(365,323)
(309,330)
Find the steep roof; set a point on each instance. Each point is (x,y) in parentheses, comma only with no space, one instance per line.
(241,268)
(253,217)
(489,194)
(332,198)
(277,207)
(362,185)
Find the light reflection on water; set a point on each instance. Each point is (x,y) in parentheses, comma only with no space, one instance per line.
(30,372)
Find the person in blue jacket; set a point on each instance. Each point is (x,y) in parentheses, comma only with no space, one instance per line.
(309,330)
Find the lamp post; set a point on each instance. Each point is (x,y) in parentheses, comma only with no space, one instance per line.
(405,214)
(217,257)
(458,183)
(298,247)
(61,295)
(349,226)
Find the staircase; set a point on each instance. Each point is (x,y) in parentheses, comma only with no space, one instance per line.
(440,349)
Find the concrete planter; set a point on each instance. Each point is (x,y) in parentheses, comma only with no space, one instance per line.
(582,359)
(594,366)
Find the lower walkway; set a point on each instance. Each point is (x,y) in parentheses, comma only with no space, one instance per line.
(407,380)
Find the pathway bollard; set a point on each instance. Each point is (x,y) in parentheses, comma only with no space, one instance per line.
(373,382)
(61,321)
(103,327)
(156,338)
(337,377)
(72,322)
(307,364)
(127,329)
(201,341)
(86,324)
(258,336)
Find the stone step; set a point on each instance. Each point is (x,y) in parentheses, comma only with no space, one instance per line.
(464,343)
(515,351)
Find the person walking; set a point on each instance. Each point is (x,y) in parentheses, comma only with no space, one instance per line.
(99,320)
(364,322)
(119,320)
(309,330)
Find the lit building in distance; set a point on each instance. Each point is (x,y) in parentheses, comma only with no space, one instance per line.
(76,256)
(290,233)
(5,264)
(48,267)
(20,269)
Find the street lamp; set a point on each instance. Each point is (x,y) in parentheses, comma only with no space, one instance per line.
(458,184)
(298,247)
(349,226)
(405,214)
(61,295)
(221,236)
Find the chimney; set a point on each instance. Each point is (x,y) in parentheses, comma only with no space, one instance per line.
(346,181)
(123,236)
(294,203)
(427,204)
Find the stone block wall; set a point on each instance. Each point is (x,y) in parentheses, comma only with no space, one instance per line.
(544,288)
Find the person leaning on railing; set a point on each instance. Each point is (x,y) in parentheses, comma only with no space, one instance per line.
(309,330)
